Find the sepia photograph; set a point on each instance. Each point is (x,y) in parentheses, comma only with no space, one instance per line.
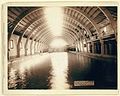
(51,47)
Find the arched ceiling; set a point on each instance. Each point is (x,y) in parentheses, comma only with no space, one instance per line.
(78,22)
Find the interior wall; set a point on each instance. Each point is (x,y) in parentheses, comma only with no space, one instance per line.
(13,50)
(22,49)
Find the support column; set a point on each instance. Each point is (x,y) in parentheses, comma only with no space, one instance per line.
(102,47)
(31,47)
(8,53)
(93,50)
(83,46)
(35,47)
(18,46)
(87,47)
(105,48)
(38,47)
(26,49)
(80,46)
(18,50)
(76,47)
(110,48)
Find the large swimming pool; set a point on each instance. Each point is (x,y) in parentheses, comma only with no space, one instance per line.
(62,70)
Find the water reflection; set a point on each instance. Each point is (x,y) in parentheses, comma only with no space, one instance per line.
(79,68)
(17,79)
(59,70)
(30,73)
(100,71)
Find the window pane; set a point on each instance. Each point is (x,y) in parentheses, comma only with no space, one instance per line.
(11,44)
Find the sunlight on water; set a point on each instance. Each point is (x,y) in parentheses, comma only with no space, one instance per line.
(52,71)
(33,61)
(12,79)
(59,71)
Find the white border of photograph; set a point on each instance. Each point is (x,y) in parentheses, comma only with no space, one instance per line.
(48,92)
